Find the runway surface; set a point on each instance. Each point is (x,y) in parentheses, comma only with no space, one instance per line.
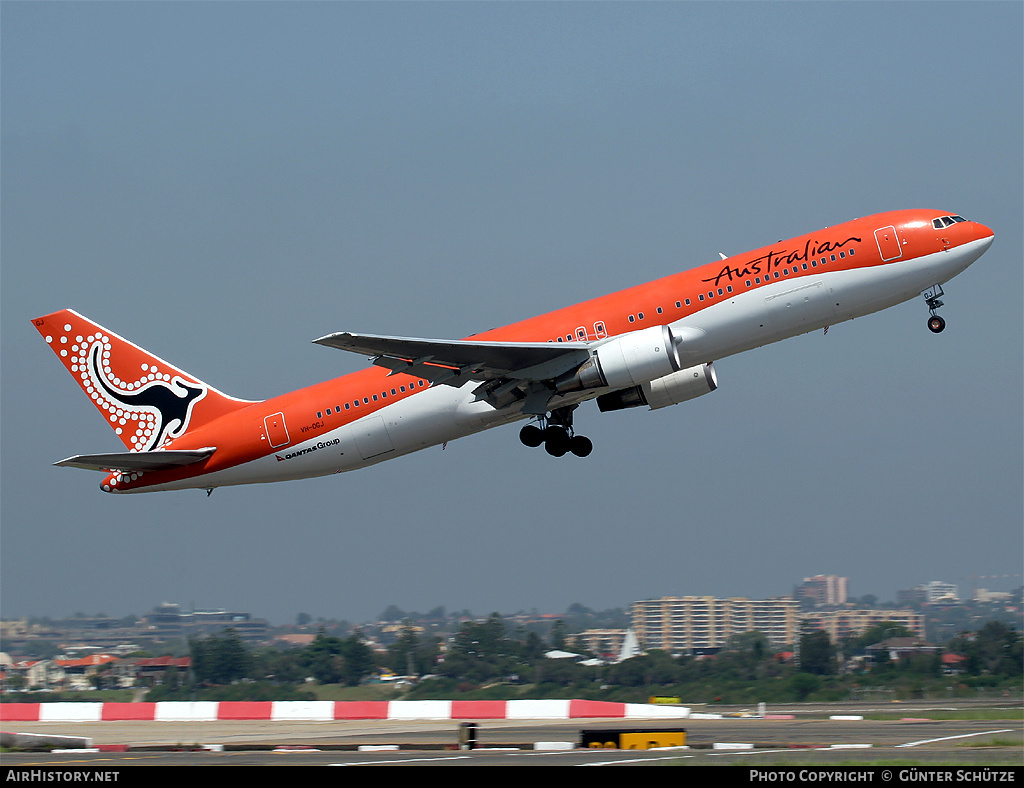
(808,737)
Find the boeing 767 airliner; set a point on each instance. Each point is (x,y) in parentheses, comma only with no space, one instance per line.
(654,344)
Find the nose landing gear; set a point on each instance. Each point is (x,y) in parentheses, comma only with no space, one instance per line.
(931,298)
(557,435)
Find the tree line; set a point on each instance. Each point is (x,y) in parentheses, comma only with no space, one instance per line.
(491,659)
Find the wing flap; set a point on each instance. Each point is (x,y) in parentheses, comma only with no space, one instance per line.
(137,460)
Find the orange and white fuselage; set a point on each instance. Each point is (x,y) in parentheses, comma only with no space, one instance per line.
(653,344)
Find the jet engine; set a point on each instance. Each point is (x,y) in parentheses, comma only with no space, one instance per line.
(627,360)
(661,392)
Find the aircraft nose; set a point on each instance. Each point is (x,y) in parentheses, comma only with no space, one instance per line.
(984,234)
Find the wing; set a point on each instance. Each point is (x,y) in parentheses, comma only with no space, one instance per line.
(504,368)
(137,460)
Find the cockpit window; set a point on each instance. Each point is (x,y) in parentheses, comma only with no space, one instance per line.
(946,221)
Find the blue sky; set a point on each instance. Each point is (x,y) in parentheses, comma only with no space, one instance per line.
(224,182)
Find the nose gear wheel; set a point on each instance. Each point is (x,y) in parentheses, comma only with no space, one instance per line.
(931,298)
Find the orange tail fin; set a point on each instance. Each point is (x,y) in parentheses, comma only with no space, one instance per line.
(146,401)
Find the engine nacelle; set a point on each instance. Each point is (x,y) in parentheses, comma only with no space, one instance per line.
(627,360)
(686,384)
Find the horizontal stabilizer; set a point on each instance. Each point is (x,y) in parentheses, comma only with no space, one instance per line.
(137,460)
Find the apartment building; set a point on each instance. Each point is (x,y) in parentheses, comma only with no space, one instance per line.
(685,624)
(840,624)
(822,590)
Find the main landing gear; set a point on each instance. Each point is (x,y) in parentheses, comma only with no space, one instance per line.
(931,297)
(556,433)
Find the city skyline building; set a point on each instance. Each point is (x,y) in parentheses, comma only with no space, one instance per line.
(823,590)
(694,623)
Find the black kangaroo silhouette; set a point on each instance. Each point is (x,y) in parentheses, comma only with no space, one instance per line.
(160,395)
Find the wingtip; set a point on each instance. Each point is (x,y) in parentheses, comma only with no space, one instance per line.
(327,339)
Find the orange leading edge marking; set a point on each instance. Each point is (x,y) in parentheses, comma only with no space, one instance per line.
(654,344)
